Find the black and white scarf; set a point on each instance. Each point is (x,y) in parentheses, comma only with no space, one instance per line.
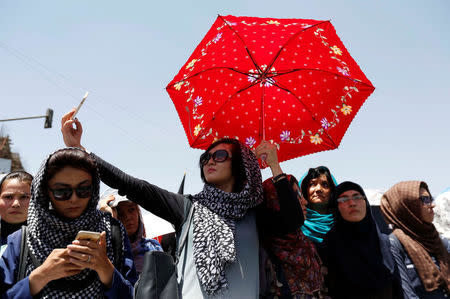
(214,219)
(46,231)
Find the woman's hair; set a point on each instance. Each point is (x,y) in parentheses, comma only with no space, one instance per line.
(21,176)
(237,164)
(315,173)
(72,157)
(270,191)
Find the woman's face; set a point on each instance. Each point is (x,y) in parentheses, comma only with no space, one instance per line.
(66,179)
(352,210)
(427,210)
(219,174)
(302,200)
(128,214)
(14,200)
(319,190)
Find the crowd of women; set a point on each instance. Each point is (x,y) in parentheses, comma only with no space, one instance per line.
(246,238)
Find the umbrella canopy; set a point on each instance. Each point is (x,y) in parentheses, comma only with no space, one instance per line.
(290,81)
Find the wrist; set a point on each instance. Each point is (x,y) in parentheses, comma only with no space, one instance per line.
(278,177)
(106,274)
(276,170)
(37,280)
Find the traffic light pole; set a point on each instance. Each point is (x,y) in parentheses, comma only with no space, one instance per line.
(48,118)
(20,118)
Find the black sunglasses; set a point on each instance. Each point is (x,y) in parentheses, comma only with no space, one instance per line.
(427,200)
(65,193)
(218,156)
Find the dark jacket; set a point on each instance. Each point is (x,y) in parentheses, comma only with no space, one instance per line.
(411,284)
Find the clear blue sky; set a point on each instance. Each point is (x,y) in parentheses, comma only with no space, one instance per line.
(125,53)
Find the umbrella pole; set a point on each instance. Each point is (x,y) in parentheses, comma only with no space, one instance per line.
(262,134)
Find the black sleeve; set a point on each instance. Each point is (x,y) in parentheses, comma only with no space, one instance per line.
(162,203)
(288,219)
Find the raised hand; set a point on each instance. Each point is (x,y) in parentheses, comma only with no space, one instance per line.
(269,150)
(71,134)
(104,205)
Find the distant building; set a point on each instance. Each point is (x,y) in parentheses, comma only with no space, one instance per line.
(6,155)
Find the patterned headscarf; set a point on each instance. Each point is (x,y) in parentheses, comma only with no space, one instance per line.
(297,254)
(47,231)
(401,207)
(214,219)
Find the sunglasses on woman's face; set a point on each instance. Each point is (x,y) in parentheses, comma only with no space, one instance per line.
(344,199)
(427,200)
(217,156)
(65,193)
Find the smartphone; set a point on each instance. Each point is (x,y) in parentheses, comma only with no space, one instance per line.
(88,236)
(79,105)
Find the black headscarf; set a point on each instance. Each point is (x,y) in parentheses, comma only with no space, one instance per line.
(357,252)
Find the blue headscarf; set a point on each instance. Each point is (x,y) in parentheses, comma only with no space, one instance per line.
(317,225)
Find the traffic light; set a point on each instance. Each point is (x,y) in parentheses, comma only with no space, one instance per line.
(48,118)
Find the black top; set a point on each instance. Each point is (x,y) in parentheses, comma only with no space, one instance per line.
(162,203)
(170,206)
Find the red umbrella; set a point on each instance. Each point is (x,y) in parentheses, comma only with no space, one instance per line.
(290,81)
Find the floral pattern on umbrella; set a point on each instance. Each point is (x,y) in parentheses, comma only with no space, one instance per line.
(291,81)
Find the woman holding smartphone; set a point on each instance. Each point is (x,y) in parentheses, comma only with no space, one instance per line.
(65,193)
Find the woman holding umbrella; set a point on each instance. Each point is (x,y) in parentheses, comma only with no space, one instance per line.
(219,257)
(422,257)
(292,268)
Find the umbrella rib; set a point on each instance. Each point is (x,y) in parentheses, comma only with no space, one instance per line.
(242,40)
(229,99)
(307,108)
(289,40)
(317,70)
(214,68)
